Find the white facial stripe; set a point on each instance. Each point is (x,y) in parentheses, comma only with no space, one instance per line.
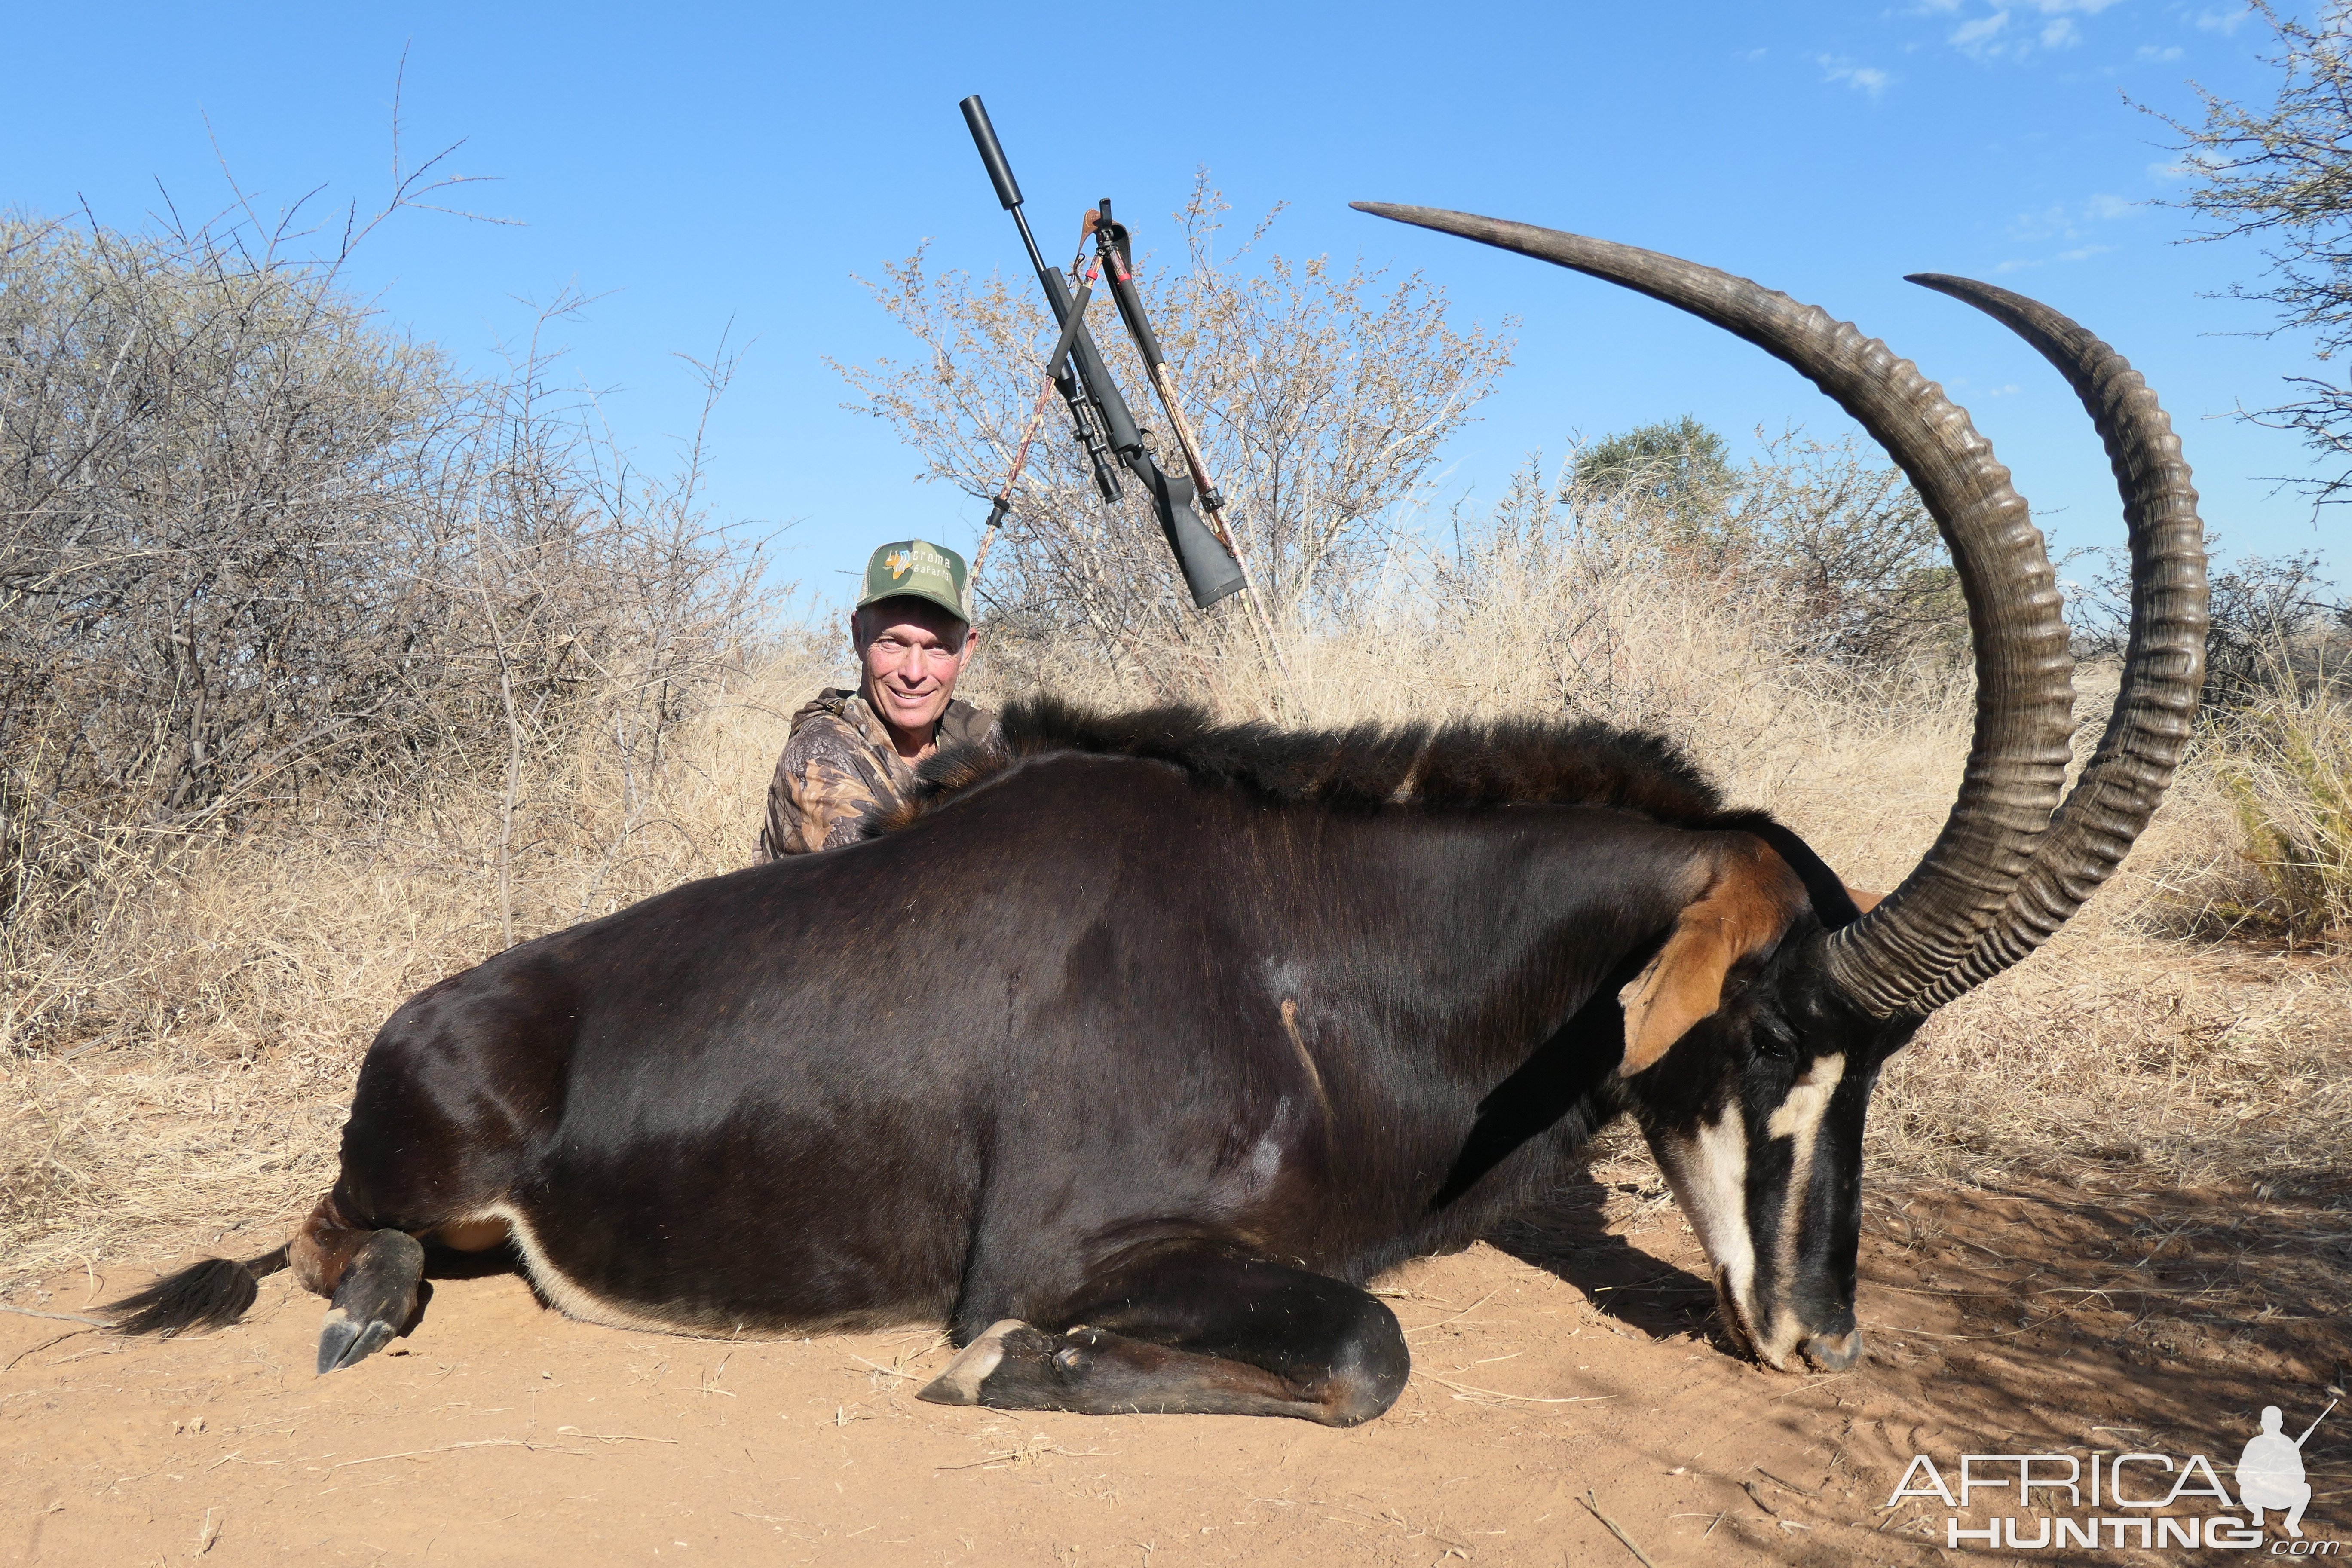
(1798,1119)
(1800,1115)
(1709,1175)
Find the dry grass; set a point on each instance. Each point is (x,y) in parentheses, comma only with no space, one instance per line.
(185,1061)
(2288,771)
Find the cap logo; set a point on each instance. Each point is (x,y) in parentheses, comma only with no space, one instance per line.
(918,568)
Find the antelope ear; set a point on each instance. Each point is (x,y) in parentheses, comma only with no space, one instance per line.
(1749,899)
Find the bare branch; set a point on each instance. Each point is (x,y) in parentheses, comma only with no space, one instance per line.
(2284,174)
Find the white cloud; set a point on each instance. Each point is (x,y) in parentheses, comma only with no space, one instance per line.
(2224,21)
(2151,52)
(2066,221)
(2045,224)
(1987,35)
(2183,168)
(1973,36)
(1862,78)
(2009,391)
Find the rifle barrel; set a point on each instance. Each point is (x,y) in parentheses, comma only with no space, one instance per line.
(991,153)
(1094,378)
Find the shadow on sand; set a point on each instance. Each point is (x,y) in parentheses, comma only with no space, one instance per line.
(1569,1238)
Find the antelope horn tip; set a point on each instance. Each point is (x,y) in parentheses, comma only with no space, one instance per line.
(1427,218)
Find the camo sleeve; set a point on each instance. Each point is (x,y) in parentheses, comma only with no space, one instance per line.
(824,781)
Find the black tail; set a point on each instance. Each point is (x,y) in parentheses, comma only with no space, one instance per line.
(210,1295)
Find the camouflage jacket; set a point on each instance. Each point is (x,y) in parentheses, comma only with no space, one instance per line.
(838,764)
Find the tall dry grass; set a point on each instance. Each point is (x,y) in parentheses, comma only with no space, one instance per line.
(2287,769)
(186,1055)
(219,1011)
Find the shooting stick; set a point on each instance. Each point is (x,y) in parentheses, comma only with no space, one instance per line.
(1061,350)
(1111,251)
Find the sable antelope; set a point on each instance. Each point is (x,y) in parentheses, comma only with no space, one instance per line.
(1218,1022)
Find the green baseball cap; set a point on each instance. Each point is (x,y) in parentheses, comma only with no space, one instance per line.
(918,569)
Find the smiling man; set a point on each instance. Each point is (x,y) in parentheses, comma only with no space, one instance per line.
(850,751)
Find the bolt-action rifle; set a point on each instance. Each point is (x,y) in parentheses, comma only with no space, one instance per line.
(1105,428)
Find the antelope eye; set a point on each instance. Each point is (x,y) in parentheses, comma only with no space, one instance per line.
(1773,1039)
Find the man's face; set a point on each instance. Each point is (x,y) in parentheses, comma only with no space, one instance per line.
(913,652)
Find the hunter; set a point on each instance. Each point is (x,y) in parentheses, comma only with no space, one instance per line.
(850,751)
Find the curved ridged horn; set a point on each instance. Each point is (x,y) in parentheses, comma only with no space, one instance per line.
(2018,756)
(2164,666)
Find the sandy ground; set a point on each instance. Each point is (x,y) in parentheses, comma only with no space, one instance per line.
(1566,1369)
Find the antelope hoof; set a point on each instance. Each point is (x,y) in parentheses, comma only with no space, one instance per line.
(959,1385)
(374,1301)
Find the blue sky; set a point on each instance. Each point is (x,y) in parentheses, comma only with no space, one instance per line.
(702,164)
